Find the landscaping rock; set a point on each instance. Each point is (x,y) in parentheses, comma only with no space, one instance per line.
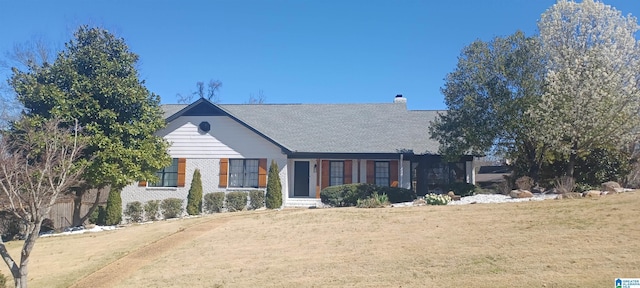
(611,186)
(419,202)
(453,196)
(520,194)
(591,194)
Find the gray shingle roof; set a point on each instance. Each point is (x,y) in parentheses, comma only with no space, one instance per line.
(337,128)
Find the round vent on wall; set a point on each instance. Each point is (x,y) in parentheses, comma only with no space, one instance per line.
(205,126)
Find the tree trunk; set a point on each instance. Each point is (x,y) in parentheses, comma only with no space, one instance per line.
(571,165)
(78,218)
(77,206)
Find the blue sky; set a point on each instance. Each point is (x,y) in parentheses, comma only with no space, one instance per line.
(295,51)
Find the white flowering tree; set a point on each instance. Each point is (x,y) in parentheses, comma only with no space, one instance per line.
(592,97)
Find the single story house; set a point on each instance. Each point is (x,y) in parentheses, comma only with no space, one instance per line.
(314,145)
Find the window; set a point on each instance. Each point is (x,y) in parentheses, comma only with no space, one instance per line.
(243,173)
(336,173)
(168,176)
(382,173)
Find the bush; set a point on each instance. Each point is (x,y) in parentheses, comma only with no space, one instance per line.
(46,226)
(194,199)
(151,209)
(171,208)
(256,199)
(437,199)
(348,194)
(274,188)
(11,226)
(213,202)
(98,215)
(524,183)
(462,189)
(503,187)
(582,187)
(374,201)
(114,208)
(236,201)
(134,211)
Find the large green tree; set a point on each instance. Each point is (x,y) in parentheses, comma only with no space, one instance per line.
(488,94)
(592,100)
(94,80)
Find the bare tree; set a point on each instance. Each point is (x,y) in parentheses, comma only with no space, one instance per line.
(37,164)
(33,53)
(211,92)
(257,99)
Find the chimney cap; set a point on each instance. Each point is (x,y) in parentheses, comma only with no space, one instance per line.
(399,96)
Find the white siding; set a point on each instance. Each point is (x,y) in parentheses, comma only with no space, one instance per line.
(226,139)
(209,170)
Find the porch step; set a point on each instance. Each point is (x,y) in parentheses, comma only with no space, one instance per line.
(302,202)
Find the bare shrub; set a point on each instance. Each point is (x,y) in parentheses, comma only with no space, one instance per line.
(503,187)
(524,183)
(565,184)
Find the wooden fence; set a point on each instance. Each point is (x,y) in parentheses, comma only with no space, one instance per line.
(62,211)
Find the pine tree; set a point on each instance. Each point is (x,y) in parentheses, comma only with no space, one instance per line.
(114,208)
(274,188)
(194,199)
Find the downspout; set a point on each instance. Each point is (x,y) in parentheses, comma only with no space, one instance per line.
(401,170)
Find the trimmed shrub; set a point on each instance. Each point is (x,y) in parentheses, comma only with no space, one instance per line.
(348,194)
(524,183)
(171,208)
(98,215)
(213,202)
(151,209)
(236,201)
(256,199)
(134,211)
(194,199)
(462,189)
(374,201)
(114,208)
(437,199)
(274,188)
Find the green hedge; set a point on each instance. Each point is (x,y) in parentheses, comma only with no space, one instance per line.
(349,194)
(236,201)
(256,199)
(462,189)
(171,208)
(213,202)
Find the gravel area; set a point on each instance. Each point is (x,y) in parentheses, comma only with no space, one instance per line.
(498,198)
(489,198)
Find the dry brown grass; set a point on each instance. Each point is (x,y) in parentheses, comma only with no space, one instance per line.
(566,243)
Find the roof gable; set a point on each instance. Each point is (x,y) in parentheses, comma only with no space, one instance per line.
(204,107)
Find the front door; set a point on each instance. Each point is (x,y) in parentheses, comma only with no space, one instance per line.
(301,179)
